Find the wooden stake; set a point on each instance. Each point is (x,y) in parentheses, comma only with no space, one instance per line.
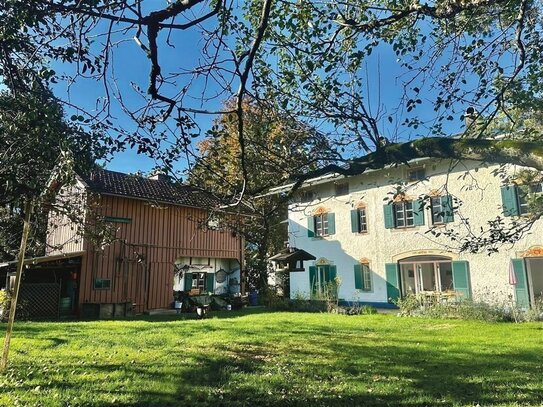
(18,278)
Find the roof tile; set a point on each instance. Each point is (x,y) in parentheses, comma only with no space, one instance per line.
(134,186)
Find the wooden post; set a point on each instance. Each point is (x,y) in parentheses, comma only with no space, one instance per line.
(18,277)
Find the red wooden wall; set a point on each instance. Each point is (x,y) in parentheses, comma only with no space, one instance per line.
(140,261)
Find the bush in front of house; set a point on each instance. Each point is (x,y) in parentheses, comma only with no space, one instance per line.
(411,305)
(5,304)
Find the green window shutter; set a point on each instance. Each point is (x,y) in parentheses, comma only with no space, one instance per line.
(418,212)
(393,283)
(358,276)
(312,278)
(521,288)
(509,200)
(188,281)
(332,274)
(389,216)
(331,223)
(355,226)
(210,282)
(447,204)
(310,226)
(460,275)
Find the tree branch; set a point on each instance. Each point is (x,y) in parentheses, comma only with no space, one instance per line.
(525,153)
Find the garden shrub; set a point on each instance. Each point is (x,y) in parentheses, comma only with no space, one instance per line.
(536,312)
(5,304)
(410,305)
(357,309)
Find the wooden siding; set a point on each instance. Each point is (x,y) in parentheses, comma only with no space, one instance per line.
(140,261)
(62,233)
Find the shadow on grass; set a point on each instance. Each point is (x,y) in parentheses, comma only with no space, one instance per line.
(322,365)
(236,379)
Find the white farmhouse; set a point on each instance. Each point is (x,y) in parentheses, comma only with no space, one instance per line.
(373,231)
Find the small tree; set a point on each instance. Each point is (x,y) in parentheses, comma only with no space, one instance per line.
(37,158)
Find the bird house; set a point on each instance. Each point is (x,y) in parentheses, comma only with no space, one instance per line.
(290,260)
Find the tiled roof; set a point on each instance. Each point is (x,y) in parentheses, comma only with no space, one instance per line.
(134,186)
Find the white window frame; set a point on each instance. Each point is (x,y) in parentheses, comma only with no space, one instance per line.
(404,215)
(417,270)
(436,206)
(321,224)
(367,281)
(522,196)
(199,282)
(362,217)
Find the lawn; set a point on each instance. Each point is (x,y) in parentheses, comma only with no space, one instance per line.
(258,358)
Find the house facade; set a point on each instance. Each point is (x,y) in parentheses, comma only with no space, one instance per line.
(391,232)
(155,237)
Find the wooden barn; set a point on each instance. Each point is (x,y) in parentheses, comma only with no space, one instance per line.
(142,236)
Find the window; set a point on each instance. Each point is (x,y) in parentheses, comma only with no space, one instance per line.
(102,283)
(403,214)
(321,278)
(426,274)
(437,210)
(359,220)
(516,200)
(199,281)
(362,277)
(306,196)
(416,174)
(321,225)
(116,219)
(524,193)
(442,209)
(342,189)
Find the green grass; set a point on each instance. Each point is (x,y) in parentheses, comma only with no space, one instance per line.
(255,359)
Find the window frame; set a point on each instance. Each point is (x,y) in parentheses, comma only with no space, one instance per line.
(366,277)
(99,283)
(341,188)
(523,193)
(401,208)
(416,171)
(307,196)
(117,219)
(362,218)
(195,281)
(438,216)
(320,223)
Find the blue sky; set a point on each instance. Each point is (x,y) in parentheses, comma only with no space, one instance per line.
(130,65)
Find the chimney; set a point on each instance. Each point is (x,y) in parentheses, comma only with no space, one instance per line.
(160,176)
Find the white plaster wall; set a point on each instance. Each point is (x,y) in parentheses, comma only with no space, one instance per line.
(474,184)
(215,265)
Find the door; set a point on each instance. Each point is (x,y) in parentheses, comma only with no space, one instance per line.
(425,273)
(535,278)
